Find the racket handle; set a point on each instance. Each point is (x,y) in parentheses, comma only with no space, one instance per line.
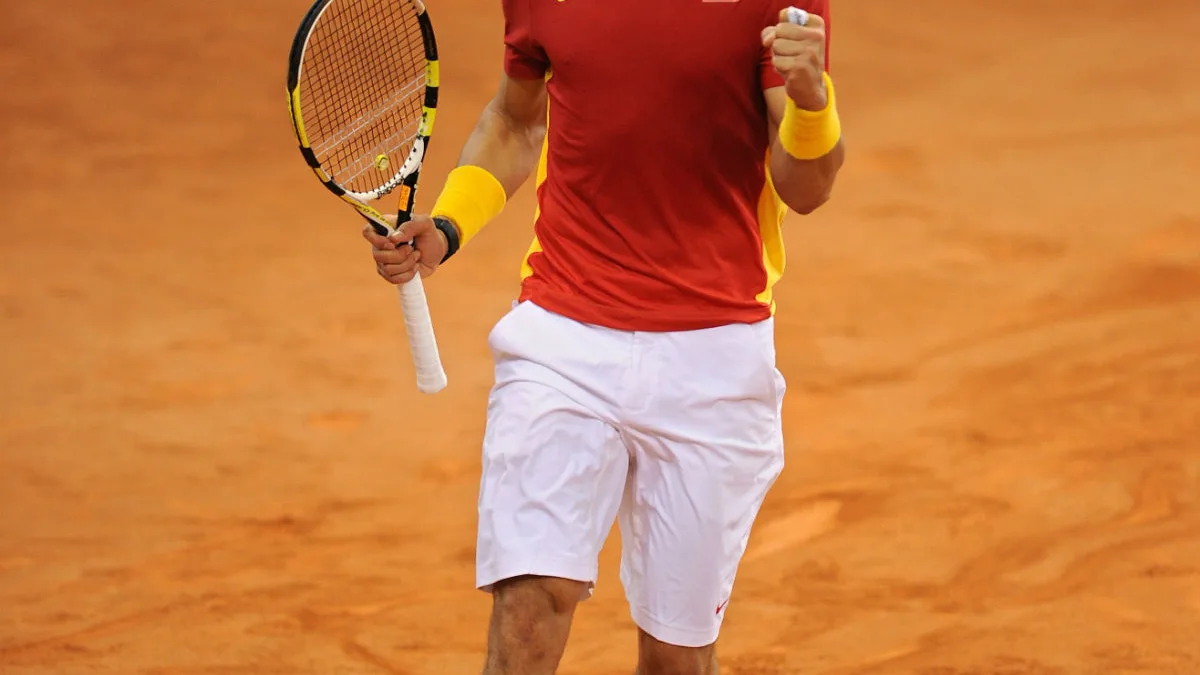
(431,377)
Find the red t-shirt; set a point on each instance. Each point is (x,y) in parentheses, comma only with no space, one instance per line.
(655,207)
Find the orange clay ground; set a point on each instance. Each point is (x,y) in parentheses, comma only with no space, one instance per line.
(213,458)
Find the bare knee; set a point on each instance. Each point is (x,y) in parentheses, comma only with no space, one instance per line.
(537,597)
(531,618)
(659,658)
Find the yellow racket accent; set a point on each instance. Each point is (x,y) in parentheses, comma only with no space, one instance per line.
(367,210)
(428,116)
(297,122)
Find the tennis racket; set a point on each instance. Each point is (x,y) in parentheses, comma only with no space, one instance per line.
(363,88)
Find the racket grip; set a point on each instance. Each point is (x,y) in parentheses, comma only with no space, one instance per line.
(431,377)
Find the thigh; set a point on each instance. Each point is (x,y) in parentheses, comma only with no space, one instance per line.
(553,470)
(704,459)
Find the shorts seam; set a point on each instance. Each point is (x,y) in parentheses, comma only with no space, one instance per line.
(535,565)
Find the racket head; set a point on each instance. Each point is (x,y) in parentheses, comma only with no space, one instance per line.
(362,85)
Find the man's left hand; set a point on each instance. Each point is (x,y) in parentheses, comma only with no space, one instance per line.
(798,53)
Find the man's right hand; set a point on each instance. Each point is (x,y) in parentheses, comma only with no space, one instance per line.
(417,246)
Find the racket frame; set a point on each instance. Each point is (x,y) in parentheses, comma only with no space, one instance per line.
(410,171)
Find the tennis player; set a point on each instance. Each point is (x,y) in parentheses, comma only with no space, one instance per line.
(635,377)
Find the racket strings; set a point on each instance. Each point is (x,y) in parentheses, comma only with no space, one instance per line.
(362,90)
(357,126)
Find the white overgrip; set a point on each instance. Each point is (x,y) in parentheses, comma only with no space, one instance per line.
(431,377)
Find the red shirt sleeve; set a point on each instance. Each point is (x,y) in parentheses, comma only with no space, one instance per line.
(770,77)
(524,58)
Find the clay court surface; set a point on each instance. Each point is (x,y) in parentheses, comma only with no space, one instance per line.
(213,458)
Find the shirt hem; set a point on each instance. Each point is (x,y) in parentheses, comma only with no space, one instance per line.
(648,320)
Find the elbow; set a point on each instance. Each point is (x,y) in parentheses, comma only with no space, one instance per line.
(525,131)
(535,134)
(810,207)
(806,202)
(805,186)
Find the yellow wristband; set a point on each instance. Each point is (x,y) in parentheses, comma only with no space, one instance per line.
(810,135)
(471,198)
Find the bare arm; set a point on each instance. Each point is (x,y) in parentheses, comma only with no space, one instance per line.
(804,185)
(507,140)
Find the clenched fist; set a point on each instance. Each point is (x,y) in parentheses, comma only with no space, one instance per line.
(417,247)
(798,53)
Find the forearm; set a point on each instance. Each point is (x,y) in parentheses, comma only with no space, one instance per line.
(805,184)
(506,148)
(497,158)
(807,150)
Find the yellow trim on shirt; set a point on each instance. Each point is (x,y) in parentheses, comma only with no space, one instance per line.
(771,212)
(536,246)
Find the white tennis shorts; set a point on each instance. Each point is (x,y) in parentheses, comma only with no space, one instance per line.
(678,435)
